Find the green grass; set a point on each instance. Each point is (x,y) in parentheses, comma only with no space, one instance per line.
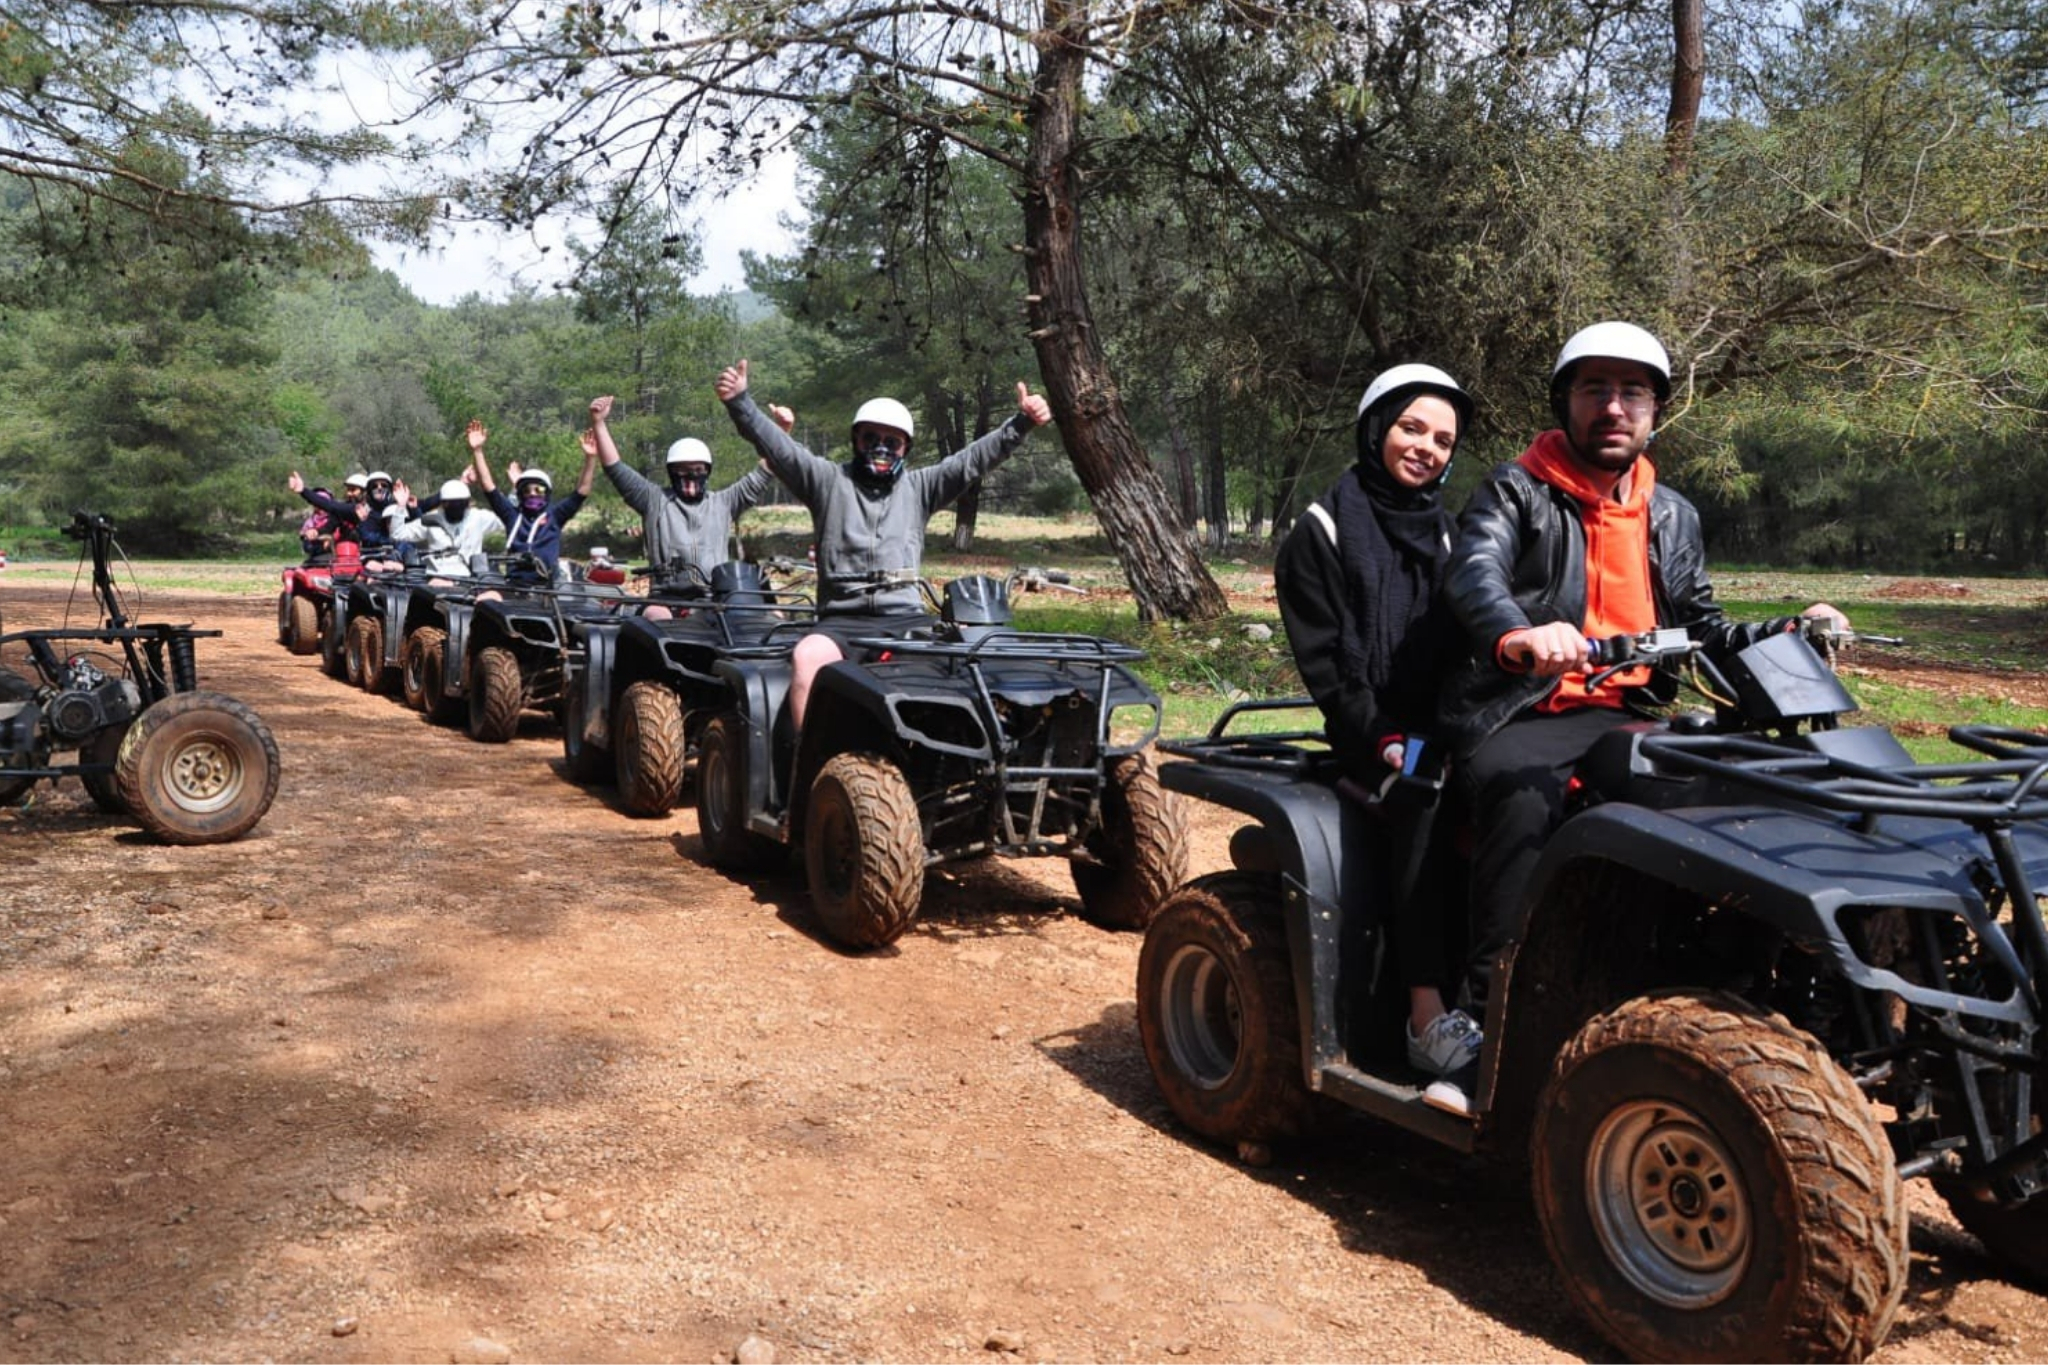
(1988,626)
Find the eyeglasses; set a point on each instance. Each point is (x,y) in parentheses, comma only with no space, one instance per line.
(1634,397)
(881,440)
(380,484)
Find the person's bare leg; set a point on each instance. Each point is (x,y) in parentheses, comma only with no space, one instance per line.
(812,653)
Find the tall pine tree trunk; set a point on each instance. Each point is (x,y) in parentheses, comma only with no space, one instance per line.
(1158,555)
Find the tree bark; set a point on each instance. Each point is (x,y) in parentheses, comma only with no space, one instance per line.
(1183,455)
(1218,491)
(1688,79)
(1157,552)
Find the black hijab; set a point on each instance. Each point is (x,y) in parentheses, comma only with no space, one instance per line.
(1392,543)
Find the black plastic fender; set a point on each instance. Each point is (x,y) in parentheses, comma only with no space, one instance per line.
(397,606)
(1798,871)
(600,650)
(1309,829)
(760,691)
(454,679)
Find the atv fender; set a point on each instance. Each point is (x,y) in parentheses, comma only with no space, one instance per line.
(397,608)
(1796,872)
(1333,935)
(600,653)
(461,616)
(760,694)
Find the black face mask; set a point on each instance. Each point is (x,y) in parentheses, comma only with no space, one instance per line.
(454,512)
(688,484)
(878,459)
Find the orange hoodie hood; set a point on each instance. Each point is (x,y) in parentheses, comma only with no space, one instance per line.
(1619,597)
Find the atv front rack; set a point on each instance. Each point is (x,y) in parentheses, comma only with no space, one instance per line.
(1287,753)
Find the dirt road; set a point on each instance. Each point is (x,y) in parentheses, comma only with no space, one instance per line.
(453,1061)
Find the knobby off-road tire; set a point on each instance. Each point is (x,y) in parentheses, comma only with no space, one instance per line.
(1713,1187)
(14,687)
(419,667)
(863,851)
(585,761)
(302,629)
(1140,853)
(649,749)
(284,617)
(366,654)
(722,801)
(198,768)
(496,693)
(1216,1011)
(104,788)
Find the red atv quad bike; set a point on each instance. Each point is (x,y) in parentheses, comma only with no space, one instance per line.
(307,601)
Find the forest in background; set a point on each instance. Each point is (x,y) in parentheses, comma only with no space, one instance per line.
(1201,227)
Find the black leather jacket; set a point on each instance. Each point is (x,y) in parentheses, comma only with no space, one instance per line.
(1520,561)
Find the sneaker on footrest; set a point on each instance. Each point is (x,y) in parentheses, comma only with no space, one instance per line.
(1448,1045)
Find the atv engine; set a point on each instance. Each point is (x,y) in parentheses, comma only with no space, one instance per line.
(90,701)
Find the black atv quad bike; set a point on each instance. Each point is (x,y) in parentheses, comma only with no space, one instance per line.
(957,738)
(1770,968)
(641,688)
(191,767)
(507,653)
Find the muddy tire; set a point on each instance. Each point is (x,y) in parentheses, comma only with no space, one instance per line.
(419,668)
(496,693)
(586,762)
(1138,856)
(863,851)
(1217,1014)
(1712,1186)
(302,627)
(366,654)
(649,749)
(104,788)
(197,768)
(722,802)
(14,687)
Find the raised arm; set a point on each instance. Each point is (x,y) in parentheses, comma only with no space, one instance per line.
(600,415)
(799,469)
(589,443)
(477,436)
(950,477)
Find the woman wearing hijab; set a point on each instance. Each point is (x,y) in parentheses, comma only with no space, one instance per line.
(1357,581)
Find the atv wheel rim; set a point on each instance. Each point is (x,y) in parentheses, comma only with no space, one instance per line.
(204,776)
(1668,1204)
(1203,1021)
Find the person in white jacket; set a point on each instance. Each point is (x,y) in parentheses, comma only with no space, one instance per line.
(450,537)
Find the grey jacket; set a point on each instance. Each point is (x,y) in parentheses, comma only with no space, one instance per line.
(678,533)
(864,531)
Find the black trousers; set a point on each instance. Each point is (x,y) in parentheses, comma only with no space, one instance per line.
(1515,783)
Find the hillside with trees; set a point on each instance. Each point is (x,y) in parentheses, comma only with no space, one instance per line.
(1200,228)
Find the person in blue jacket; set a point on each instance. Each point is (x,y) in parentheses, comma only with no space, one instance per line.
(533,523)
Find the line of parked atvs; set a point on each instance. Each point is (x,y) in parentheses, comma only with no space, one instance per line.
(1772,967)
(963,737)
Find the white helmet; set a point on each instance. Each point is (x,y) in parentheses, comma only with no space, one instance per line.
(455,490)
(377,476)
(1613,341)
(886,412)
(539,476)
(689,450)
(1427,378)
(356,481)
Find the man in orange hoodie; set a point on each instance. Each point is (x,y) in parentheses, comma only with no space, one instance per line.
(1573,541)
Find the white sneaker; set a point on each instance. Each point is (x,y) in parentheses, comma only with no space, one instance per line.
(1447,1046)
